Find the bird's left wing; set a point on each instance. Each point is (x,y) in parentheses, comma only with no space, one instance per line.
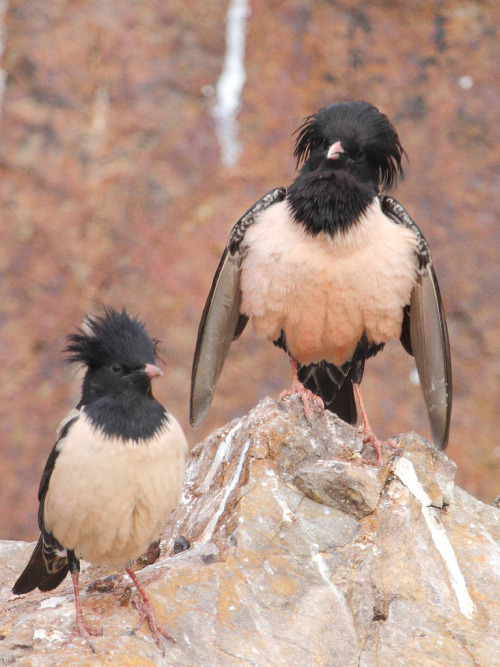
(221,320)
(62,431)
(46,567)
(425,334)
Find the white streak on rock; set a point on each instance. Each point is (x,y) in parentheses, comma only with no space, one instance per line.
(324,572)
(220,455)
(208,532)
(231,82)
(288,516)
(406,472)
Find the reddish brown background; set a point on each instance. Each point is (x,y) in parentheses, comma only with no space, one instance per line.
(112,191)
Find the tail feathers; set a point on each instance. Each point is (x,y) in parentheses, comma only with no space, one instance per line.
(334,386)
(45,570)
(344,404)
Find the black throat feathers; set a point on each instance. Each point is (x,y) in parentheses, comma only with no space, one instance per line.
(330,202)
(129,417)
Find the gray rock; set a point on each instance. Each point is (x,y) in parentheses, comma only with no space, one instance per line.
(303,552)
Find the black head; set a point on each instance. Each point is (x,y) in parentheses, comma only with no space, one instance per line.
(112,338)
(370,144)
(119,355)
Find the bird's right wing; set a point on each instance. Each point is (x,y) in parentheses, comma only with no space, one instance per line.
(221,321)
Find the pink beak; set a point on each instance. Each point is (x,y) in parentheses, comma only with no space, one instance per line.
(152,371)
(334,151)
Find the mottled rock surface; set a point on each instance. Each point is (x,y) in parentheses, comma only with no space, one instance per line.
(112,191)
(395,566)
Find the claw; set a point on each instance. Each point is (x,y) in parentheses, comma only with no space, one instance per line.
(305,394)
(147,612)
(81,628)
(368,436)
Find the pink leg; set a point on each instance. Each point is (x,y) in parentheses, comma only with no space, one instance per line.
(146,611)
(305,394)
(81,627)
(368,435)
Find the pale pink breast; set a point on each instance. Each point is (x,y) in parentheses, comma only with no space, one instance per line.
(322,292)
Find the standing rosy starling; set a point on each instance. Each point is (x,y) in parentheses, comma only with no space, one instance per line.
(330,269)
(115,473)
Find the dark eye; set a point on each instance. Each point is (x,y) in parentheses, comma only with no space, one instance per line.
(360,154)
(116,367)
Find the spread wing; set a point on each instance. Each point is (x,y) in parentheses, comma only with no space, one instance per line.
(425,334)
(221,321)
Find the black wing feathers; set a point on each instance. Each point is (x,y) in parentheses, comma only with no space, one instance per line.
(405,337)
(46,568)
(424,332)
(221,320)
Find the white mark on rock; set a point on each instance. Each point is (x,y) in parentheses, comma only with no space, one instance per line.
(466,82)
(323,569)
(287,515)
(324,572)
(268,568)
(101,110)
(52,602)
(231,82)
(208,91)
(50,636)
(406,472)
(220,455)
(208,532)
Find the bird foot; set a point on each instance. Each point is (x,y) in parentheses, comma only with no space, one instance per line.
(147,612)
(370,439)
(85,632)
(305,394)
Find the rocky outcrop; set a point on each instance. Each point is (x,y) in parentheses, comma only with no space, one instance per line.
(303,552)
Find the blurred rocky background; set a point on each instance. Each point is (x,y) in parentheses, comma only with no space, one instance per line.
(115,189)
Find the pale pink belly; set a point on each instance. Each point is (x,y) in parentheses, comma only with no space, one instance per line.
(323,293)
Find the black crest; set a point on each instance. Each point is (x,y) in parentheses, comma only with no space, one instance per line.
(113,336)
(358,126)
